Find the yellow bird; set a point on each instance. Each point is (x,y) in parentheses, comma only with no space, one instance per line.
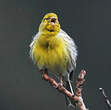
(54,50)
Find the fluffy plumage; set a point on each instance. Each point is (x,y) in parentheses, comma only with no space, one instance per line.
(54,50)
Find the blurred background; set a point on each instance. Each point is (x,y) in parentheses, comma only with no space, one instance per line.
(88,22)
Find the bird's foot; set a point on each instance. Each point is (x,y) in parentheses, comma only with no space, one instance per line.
(60,85)
(44,71)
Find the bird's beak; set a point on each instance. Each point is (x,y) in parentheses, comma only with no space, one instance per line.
(53,20)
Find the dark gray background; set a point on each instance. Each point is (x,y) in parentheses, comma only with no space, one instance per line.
(88,22)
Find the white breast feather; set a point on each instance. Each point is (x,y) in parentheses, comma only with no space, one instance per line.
(31,45)
(72,48)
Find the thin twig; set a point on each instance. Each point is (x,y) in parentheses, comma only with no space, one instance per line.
(78,95)
(106,98)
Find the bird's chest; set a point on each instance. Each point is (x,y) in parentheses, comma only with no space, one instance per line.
(52,54)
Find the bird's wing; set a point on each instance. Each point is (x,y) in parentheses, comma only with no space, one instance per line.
(32,44)
(71,47)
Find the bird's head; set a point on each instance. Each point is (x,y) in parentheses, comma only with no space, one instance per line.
(50,24)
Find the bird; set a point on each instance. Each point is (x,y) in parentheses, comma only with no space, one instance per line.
(54,50)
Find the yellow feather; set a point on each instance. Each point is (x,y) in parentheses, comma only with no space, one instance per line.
(51,52)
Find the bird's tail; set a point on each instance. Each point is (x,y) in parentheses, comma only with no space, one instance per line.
(69,102)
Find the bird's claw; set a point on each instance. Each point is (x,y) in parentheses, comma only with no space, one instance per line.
(60,85)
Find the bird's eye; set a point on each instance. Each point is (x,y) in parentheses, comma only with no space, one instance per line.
(47,18)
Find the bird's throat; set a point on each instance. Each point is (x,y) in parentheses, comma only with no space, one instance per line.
(49,42)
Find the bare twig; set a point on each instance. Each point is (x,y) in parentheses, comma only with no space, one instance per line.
(78,95)
(106,98)
(78,92)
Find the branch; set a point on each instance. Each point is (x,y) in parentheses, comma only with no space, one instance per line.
(78,92)
(106,98)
